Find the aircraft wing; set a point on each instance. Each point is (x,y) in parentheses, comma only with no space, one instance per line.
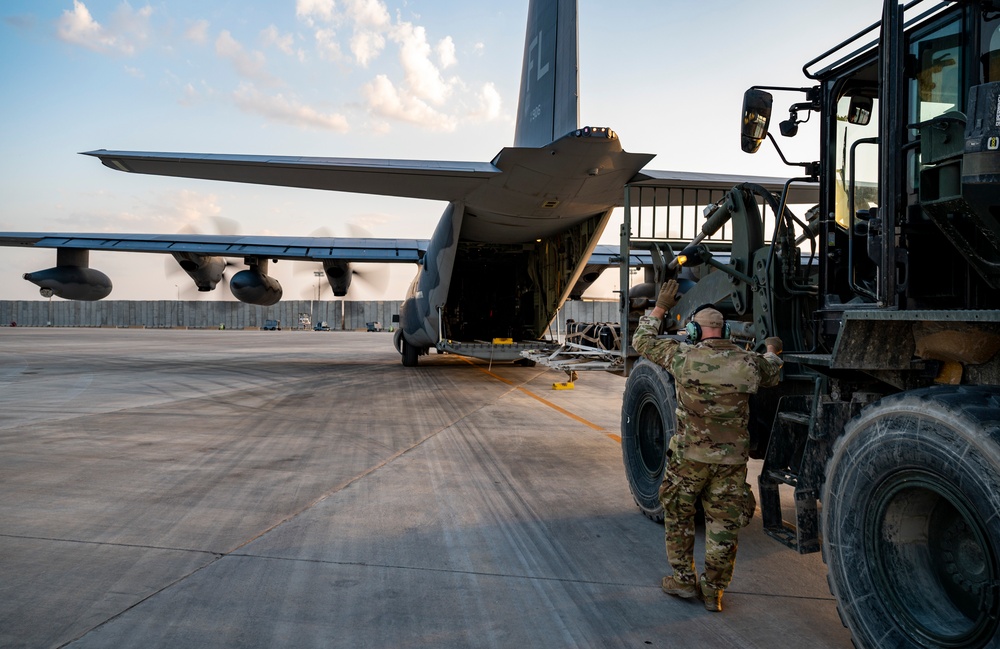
(800,193)
(429,179)
(297,248)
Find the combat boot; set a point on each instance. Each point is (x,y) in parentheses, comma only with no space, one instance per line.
(711,596)
(676,588)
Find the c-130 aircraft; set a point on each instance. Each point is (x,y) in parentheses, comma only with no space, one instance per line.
(515,241)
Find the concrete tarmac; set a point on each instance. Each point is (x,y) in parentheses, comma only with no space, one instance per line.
(165,488)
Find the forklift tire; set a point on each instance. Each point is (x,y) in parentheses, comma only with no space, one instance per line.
(911,520)
(648,421)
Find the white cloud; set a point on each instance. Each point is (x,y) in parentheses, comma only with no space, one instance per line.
(366,46)
(197,32)
(167,211)
(386,101)
(422,77)
(248,64)
(446,52)
(129,29)
(379,127)
(313,9)
(351,33)
(184,209)
(368,21)
(326,43)
(80,28)
(132,26)
(280,108)
(284,42)
(489,102)
(421,94)
(368,14)
(191,95)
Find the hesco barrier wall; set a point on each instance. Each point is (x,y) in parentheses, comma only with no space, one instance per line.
(339,314)
(195,314)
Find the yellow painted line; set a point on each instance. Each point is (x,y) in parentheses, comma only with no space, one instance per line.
(561,409)
(548,403)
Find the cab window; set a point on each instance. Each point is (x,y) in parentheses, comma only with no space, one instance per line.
(936,87)
(849,129)
(990,39)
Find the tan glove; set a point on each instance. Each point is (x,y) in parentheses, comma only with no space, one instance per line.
(668,295)
(775,342)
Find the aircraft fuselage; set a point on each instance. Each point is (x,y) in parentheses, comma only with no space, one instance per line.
(502,261)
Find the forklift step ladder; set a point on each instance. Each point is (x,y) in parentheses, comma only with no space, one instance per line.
(789,455)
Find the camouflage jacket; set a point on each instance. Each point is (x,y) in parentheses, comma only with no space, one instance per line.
(713,380)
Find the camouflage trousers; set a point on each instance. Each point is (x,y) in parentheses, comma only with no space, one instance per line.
(728,504)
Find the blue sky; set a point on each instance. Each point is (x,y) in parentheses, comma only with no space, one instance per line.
(424,79)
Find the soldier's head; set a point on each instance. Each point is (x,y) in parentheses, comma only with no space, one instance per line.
(707,322)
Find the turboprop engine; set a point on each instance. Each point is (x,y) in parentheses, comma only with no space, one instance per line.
(71,278)
(339,274)
(205,271)
(254,286)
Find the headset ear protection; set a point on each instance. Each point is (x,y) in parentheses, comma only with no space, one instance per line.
(693,329)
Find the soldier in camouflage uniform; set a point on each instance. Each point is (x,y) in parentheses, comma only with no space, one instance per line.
(707,456)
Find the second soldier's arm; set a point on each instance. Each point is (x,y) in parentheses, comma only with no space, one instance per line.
(770,368)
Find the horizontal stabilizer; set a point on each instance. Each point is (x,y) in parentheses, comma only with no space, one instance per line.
(428,179)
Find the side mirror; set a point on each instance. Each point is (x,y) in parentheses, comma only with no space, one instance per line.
(860,110)
(756,115)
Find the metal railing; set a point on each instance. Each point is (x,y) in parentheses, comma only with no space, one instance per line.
(663,219)
(670,214)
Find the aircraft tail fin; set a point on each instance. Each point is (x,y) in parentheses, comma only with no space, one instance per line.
(548,107)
